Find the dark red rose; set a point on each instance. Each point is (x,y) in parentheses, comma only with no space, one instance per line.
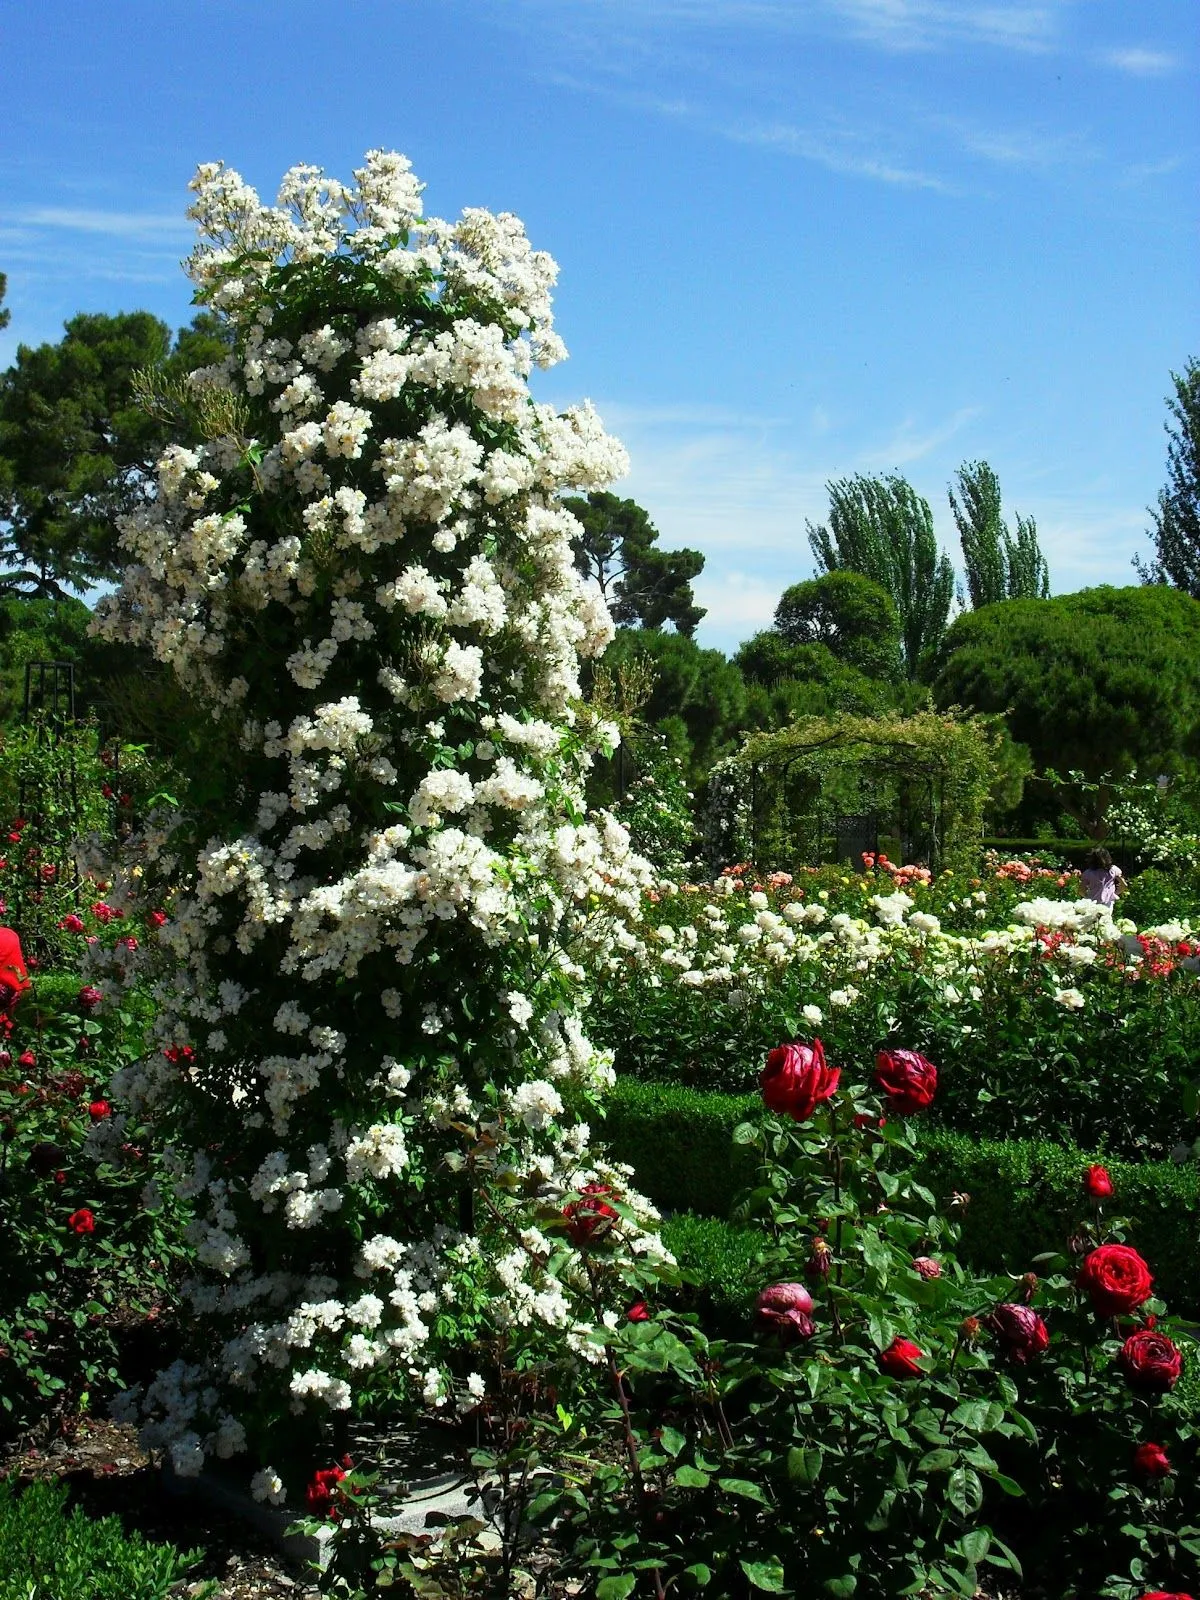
(99,1110)
(82,1221)
(786,1309)
(156,918)
(27,1059)
(1116,1280)
(900,1359)
(1161,1594)
(72,923)
(1150,1461)
(797,1079)
(1020,1332)
(1097,1183)
(89,997)
(320,1492)
(1151,1362)
(908,1080)
(639,1311)
(590,1217)
(927,1267)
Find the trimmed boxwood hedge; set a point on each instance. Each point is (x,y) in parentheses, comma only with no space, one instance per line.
(1025,1195)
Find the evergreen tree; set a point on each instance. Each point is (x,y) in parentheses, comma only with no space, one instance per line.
(998,567)
(883,529)
(644,587)
(1176,531)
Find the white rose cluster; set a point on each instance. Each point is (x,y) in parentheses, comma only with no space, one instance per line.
(362,577)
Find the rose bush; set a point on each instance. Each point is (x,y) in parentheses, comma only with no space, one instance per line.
(369,1075)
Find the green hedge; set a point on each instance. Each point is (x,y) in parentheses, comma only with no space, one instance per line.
(1025,1195)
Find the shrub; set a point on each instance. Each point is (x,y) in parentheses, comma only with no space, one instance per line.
(1025,1194)
(47,1553)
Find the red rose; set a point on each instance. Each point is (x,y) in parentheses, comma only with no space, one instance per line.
(591,1217)
(796,1079)
(82,1221)
(27,1059)
(1116,1280)
(1097,1183)
(1151,1362)
(320,1492)
(786,1309)
(639,1311)
(89,997)
(1161,1594)
(99,1109)
(1150,1461)
(927,1267)
(156,918)
(72,923)
(900,1359)
(1020,1331)
(908,1080)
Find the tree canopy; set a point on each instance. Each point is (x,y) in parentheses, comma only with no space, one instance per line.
(77,445)
(1105,682)
(1176,531)
(854,617)
(644,586)
(998,566)
(883,529)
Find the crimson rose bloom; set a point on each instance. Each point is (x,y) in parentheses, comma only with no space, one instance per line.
(82,1221)
(786,1309)
(638,1312)
(591,1217)
(1021,1332)
(99,1109)
(1097,1183)
(1161,1594)
(900,1359)
(796,1079)
(908,1080)
(320,1492)
(1116,1279)
(1151,1362)
(1150,1461)
(927,1267)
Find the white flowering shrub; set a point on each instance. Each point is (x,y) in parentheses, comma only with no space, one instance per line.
(371,1076)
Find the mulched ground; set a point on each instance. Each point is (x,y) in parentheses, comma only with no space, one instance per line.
(109,1475)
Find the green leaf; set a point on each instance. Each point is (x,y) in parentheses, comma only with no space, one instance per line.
(937,1461)
(672,1441)
(692,1478)
(742,1486)
(964,1491)
(804,1465)
(616,1588)
(766,1575)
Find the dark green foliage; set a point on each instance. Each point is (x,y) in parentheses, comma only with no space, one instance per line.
(883,529)
(854,617)
(698,700)
(1026,1195)
(717,1260)
(1176,531)
(998,567)
(5,313)
(645,587)
(48,1554)
(77,446)
(1103,682)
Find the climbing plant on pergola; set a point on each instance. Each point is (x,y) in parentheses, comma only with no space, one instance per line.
(821,788)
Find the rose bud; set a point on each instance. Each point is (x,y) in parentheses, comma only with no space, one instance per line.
(1097,1183)
(1115,1279)
(900,1359)
(908,1080)
(820,1259)
(590,1218)
(638,1312)
(786,1309)
(927,1267)
(5,1059)
(99,1110)
(1151,1362)
(1150,1461)
(796,1079)
(1020,1332)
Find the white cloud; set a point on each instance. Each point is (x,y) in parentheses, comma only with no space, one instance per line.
(1139,62)
(120,224)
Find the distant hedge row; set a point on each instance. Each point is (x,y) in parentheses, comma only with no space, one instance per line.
(1025,1194)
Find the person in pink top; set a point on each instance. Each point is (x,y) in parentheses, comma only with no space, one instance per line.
(1102,881)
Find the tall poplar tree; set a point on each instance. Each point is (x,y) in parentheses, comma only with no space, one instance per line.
(1176,531)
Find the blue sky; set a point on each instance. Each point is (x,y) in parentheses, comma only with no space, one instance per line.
(798,238)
